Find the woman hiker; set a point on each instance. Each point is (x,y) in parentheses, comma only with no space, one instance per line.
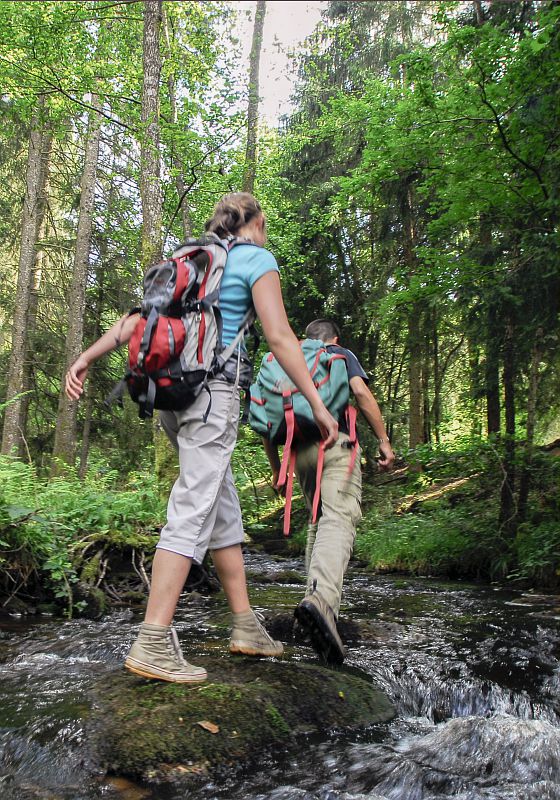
(203,510)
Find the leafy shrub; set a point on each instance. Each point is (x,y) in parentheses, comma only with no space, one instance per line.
(51,519)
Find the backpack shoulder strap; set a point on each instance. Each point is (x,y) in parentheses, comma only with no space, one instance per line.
(233,241)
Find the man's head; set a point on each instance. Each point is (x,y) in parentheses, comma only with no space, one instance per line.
(324,329)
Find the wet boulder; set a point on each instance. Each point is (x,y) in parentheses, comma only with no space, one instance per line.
(155,730)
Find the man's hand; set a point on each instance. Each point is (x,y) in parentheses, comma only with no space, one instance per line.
(387,457)
(326,424)
(75,378)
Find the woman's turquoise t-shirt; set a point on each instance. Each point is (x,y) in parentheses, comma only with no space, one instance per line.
(245,265)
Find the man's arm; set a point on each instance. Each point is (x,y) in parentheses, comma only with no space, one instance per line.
(271,451)
(371,411)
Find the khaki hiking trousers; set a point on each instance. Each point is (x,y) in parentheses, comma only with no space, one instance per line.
(203,510)
(331,539)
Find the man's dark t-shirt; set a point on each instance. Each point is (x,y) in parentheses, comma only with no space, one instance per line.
(354,368)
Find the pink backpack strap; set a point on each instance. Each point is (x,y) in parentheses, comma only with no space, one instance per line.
(289,493)
(351,417)
(290,428)
(318,476)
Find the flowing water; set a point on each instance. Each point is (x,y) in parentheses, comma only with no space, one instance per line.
(474,673)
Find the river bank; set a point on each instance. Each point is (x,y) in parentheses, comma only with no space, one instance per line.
(79,548)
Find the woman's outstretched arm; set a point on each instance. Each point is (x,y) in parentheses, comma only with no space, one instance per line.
(118,334)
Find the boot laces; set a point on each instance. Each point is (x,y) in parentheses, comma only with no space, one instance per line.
(259,619)
(176,647)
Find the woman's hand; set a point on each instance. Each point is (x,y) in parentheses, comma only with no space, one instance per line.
(75,378)
(326,424)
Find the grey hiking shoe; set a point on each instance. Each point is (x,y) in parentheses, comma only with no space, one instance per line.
(156,653)
(250,637)
(318,620)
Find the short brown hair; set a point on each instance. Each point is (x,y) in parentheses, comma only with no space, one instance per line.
(323,329)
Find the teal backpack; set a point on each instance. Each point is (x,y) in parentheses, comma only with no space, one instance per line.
(279,412)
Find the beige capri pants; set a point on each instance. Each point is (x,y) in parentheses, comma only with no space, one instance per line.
(203,511)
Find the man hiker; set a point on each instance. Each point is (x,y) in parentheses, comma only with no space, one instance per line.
(331,539)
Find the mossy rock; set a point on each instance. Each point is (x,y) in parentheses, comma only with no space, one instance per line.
(149,730)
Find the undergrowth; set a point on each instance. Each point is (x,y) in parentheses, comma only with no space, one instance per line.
(46,526)
(438,523)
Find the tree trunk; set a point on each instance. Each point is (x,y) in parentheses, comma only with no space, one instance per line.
(414,336)
(86,430)
(150,187)
(253,110)
(415,421)
(65,434)
(492,363)
(492,373)
(437,378)
(478,12)
(525,477)
(150,180)
(394,401)
(508,515)
(176,161)
(36,278)
(12,434)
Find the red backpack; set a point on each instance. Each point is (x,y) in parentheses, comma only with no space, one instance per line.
(176,346)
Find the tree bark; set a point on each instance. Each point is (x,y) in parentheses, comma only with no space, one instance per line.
(37,277)
(493,337)
(86,430)
(12,438)
(508,515)
(150,190)
(253,109)
(437,378)
(525,477)
(176,160)
(478,12)
(65,433)
(415,421)
(414,336)
(492,374)
(150,170)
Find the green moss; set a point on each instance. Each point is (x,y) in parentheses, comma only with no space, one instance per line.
(142,726)
(90,570)
(277,720)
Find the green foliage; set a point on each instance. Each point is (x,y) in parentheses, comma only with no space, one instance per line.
(252,476)
(52,522)
(446,524)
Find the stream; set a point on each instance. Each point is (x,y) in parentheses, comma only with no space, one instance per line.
(473,671)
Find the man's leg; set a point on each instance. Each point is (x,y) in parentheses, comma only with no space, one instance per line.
(331,549)
(310,543)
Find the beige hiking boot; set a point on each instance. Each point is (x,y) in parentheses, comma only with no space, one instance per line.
(156,654)
(318,620)
(250,637)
